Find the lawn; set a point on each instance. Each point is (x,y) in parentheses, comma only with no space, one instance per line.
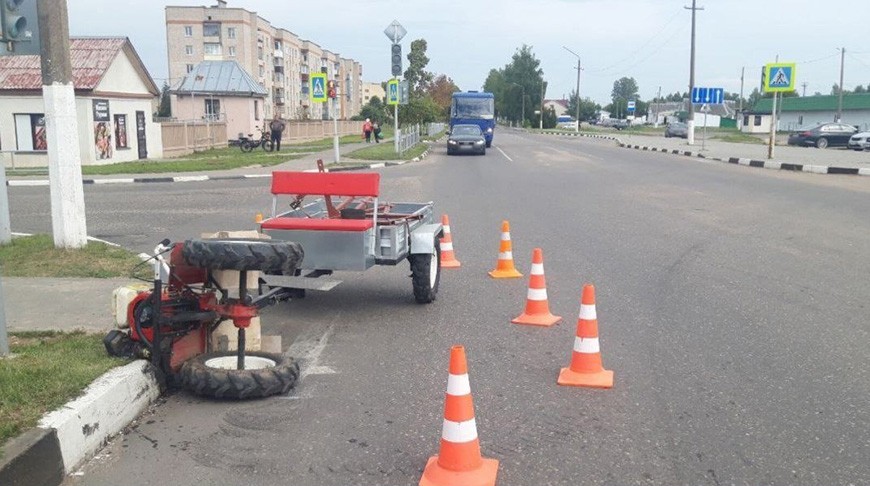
(47,370)
(36,256)
(385,151)
(208,160)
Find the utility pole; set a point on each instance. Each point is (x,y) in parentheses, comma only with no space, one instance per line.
(772,141)
(542,105)
(578,85)
(61,127)
(691,121)
(840,102)
(742,77)
(656,111)
(804,86)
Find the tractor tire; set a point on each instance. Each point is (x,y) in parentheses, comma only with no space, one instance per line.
(202,375)
(244,255)
(422,268)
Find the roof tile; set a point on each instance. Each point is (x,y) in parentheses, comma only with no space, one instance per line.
(90,58)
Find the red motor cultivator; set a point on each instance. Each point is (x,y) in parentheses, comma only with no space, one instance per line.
(171,324)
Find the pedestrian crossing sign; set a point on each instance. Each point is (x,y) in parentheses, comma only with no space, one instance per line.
(779,77)
(393,92)
(318,88)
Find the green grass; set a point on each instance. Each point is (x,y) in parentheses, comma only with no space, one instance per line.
(215,159)
(36,256)
(48,369)
(739,138)
(385,151)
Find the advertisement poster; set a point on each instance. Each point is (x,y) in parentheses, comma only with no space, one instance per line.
(102,130)
(121,131)
(37,125)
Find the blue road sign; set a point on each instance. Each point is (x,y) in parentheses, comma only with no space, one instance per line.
(709,96)
(631,105)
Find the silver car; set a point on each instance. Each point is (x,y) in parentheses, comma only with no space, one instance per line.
(676,129)
(860,141)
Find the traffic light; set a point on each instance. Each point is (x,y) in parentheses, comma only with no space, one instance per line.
(397,59)
(14,22)
(331,89)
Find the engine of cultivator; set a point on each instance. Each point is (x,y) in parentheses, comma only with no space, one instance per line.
(171,323)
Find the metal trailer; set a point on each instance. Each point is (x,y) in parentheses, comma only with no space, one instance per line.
(348,228)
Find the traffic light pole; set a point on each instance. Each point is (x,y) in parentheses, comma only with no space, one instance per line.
(396,134)
(61,127)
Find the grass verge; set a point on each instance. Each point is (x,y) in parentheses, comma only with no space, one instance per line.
(215,159)
(385,151)
(48,369)
(36,256)
(739,138)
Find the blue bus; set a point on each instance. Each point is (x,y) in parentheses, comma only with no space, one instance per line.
(474,108)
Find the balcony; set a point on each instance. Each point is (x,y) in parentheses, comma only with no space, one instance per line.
(304,70)
(279,69)
(279,100)
(304,77)
(278,53)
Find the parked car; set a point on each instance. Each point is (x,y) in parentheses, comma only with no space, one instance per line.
(620,124)
(860,141)
(677,129)
(824,136)
(466,138)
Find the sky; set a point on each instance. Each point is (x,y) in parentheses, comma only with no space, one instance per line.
(645,39)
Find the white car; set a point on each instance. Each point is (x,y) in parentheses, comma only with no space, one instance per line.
(860,141)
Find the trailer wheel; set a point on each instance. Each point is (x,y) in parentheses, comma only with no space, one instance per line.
(244,255)
(215,375)
(426,274)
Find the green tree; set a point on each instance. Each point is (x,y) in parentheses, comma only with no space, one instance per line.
(420,109)
(496,85)
(521,79)
(550,118)
(624,89)
(588,108)
(164,110)
(416,75)
(375,109)
(441,91)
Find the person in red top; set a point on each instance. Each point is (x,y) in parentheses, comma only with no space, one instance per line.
(367,130)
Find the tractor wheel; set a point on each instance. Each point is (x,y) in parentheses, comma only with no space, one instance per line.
(215,375)
(244,255)
(426,274)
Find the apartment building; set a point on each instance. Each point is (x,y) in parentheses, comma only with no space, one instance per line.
(279,60)
(373,90)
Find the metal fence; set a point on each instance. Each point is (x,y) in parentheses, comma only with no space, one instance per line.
(408,137)
(435,128)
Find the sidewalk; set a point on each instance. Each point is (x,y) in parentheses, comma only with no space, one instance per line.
(306,162)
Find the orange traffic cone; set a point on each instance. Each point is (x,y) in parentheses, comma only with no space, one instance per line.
(537,311)
(459,462)
(586,368)
(505,267)
(448,259)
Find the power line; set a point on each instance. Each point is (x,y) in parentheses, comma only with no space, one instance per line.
(642,47)
(610,71)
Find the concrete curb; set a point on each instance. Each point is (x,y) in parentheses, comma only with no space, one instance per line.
(66,437)
(203,178)
(765,164)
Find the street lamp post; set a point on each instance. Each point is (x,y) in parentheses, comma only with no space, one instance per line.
(578,85)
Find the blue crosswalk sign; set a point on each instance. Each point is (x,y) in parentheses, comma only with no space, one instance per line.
(709,96)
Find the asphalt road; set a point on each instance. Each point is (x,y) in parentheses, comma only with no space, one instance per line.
(732,306)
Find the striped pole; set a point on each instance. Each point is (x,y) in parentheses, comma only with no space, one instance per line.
(586,368)
(459,462)
(537,312)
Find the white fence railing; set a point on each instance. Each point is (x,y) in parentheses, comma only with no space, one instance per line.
(408,137)
(435,128)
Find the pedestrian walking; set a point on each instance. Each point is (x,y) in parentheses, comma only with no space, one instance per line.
(376,129)
(277,128)
(367,130)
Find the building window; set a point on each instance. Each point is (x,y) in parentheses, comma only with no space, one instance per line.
(260,52)
(758,120)
(277,45)
(189,68)
(232,51)
(211,29)
(212,49)
(188,50)
(188,31)
(256,109)
(212,109)
(262,71)
(30,132)
(121,132)
(745,120)
(231,32)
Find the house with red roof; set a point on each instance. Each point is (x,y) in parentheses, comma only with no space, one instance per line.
(115,101)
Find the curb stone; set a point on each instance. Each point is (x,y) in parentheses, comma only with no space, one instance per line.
(70,435)
(203,178)
(765,164)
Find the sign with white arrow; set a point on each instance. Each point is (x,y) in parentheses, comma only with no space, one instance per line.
(710,96)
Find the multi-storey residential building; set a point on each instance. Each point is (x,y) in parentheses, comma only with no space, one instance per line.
(276,58)
(373,90)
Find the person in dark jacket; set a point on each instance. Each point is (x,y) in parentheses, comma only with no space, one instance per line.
(376,130)
(276,126)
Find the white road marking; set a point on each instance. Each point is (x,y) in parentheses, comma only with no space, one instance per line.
(505,155)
